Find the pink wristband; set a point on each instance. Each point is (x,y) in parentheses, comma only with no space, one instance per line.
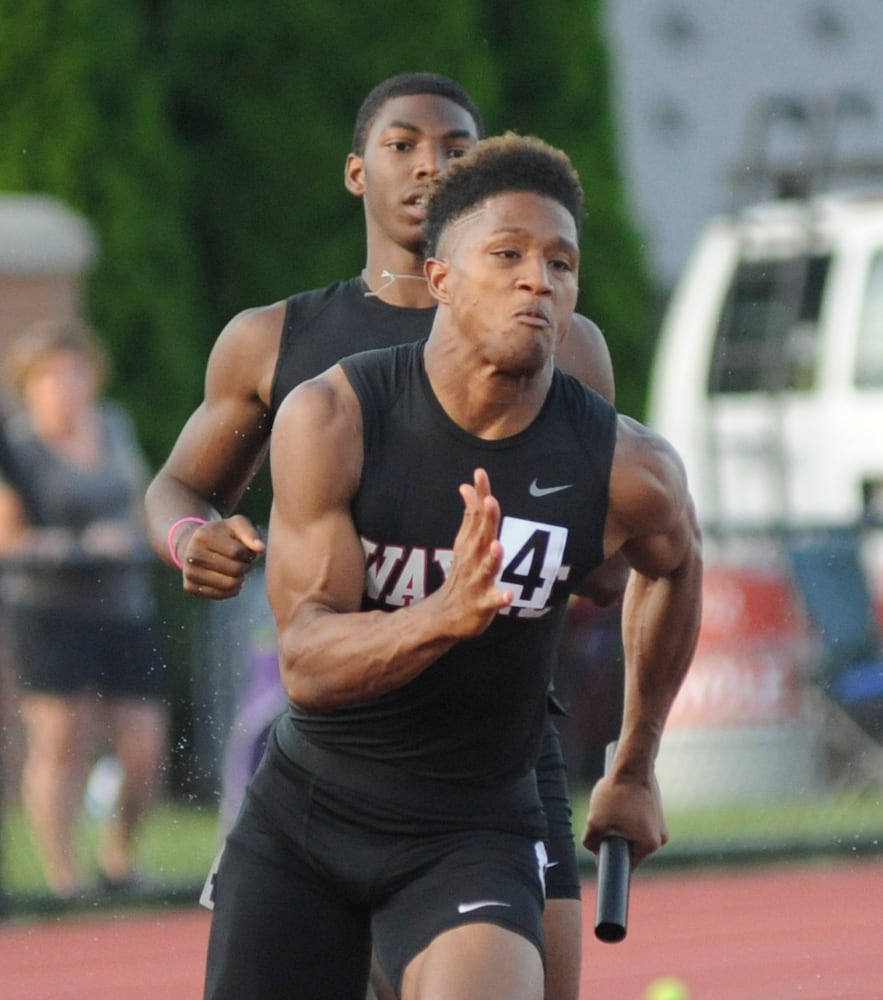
(173,529)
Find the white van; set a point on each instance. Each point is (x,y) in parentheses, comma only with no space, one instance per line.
(769,371)
(768,378)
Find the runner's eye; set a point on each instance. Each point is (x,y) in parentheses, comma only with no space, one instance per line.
(562,265)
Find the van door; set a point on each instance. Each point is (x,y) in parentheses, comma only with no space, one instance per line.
(763,419)
(855,362)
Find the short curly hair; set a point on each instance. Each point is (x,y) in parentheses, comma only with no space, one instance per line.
(495,166)
(409,85)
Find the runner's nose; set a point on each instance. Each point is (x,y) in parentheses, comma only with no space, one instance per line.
(535,275)
(432,162)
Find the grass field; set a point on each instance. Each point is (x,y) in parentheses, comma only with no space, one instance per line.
(838,821)
(837,824)
(176,846)
(179,841)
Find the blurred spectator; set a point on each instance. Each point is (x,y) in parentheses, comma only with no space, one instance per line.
(82,624)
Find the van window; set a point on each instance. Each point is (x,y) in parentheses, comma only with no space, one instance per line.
(766,337)
(869,356)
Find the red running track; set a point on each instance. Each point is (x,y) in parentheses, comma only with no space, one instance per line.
(807,932)
(811,932)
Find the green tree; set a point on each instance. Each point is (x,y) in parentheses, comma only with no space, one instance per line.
(205,140)
(554,81)
(88,124)
(266,115)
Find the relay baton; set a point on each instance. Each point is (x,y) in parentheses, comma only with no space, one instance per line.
(614,874)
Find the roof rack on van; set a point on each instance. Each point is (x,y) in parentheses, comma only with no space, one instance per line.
(793,147)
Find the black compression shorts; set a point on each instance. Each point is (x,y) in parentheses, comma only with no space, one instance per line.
(313,871)
(562,875)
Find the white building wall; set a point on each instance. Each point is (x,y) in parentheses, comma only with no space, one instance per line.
(687,74)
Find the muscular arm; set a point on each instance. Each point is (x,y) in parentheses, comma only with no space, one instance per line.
(215,458)
(330,652)
(652,520)
(583,353)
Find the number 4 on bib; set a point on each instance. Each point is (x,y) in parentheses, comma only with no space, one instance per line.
(533,555)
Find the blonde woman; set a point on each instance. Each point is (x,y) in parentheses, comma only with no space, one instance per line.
(76,589)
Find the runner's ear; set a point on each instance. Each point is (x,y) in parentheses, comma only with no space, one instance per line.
(354,175)
(436,271)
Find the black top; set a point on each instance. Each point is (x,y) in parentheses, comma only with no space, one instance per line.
(476,715)
(327,324)
(73,498)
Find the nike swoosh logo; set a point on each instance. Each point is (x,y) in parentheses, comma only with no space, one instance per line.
(469,907)
(543,491)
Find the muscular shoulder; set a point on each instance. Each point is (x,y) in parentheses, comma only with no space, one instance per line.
(648,482)
(327,397)
(243,358)
(319,427)
(583,353)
